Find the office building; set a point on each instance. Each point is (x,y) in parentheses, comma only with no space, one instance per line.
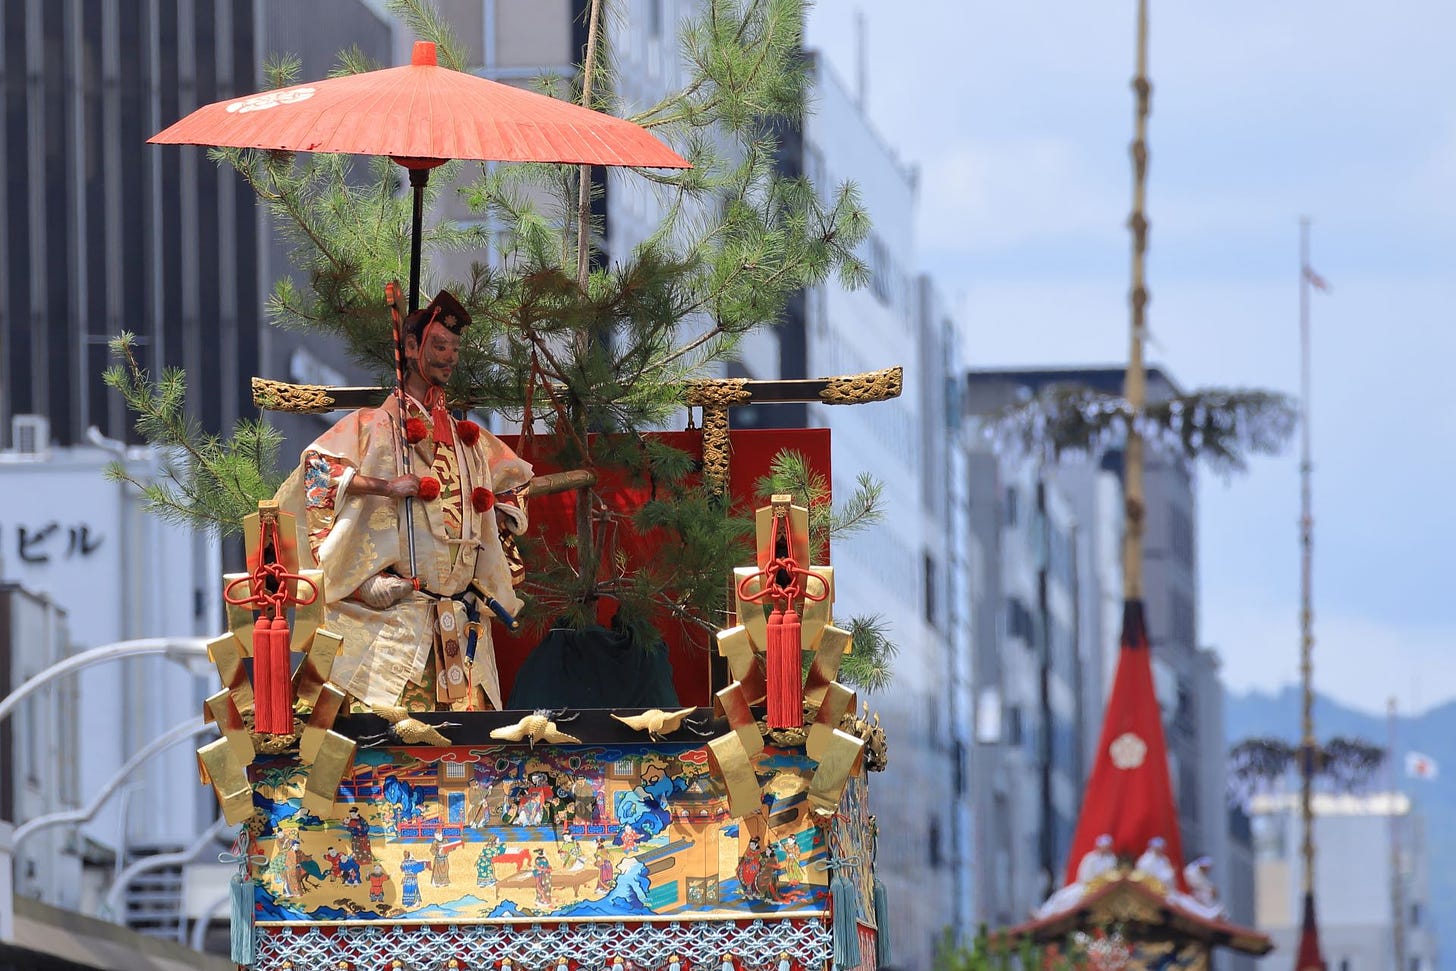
(1371,881)
(1027,765)
(1186,675)
(108,234)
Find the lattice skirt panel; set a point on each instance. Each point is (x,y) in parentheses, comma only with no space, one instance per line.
(754,945)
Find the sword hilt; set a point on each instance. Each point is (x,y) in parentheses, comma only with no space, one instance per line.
(506,617)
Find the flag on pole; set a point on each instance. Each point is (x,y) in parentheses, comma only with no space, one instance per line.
(1315,280)
(1419,766)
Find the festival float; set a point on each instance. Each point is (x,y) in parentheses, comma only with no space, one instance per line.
(426,774)
(1129,902)
(732,832)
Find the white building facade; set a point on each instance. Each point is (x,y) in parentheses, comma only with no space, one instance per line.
(88,567)
(1373,859)
(39,746)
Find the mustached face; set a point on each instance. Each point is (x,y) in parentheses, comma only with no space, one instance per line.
(437,357)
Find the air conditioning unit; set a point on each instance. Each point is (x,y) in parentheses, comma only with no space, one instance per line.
(30,434)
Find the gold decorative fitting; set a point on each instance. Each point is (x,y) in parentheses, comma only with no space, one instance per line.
(275,744)
(334,757)
(655,722)
(716,447)
(1128,908)
(218,766)
(717,392)
(318,703)
(535,727)
(858,389)
(409,729)
(830,733)
(301,399)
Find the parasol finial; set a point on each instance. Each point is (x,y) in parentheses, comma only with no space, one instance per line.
(424,54)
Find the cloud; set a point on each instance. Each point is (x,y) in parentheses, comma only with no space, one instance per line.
(1433,185)
(987,195)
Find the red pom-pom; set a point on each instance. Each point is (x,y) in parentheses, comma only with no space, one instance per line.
(429,488)
(415,430)
(482,499)
(468,431)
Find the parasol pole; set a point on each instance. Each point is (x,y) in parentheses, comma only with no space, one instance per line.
(1135,381)
(1309,956)
(422,55)
(418,178)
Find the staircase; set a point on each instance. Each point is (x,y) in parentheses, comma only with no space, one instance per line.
(154,897)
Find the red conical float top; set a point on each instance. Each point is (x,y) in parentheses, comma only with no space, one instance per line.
(1129,795)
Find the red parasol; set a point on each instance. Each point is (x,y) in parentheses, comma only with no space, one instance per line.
(422,115)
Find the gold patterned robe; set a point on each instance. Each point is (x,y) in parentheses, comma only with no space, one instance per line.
(354,536)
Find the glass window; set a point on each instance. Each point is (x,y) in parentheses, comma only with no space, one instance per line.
(931,581)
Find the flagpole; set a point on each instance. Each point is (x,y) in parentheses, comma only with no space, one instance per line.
(1397,884)
(1309,953)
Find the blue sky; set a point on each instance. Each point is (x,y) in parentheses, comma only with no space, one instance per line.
(1018,116)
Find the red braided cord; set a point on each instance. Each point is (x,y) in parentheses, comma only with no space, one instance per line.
(270,575)
(772,588)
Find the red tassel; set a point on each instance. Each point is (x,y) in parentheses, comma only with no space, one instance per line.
(282,639)
(785,662)
(272,692)
(441,418)
(262,689)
